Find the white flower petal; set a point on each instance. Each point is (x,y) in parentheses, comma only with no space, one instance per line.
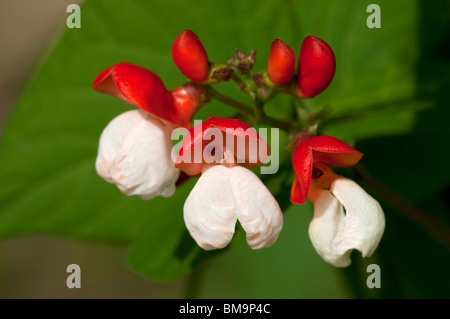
(112,138)
(256,208)
(365,220)
(335,232)
(209,211)
(170,190)
(220,197)
(134,154)
(327,225)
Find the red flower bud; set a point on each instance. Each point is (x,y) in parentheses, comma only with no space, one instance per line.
(281,64)
(316,67)
(190,56)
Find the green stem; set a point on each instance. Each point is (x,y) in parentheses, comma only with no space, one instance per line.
(229,101)
(314,118)
(262,117)
(258,111)
(194,281)
(239,81)
(284,125)
(271,95)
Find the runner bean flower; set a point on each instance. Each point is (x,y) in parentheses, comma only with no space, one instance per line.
(135,148)
(225,192)
(345,216)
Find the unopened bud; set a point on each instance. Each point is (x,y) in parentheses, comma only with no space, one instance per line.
(281,64)
(190,56)
(317,65)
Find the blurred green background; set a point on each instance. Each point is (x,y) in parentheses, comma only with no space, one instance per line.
(389,97)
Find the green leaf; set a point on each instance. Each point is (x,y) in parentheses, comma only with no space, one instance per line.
(48,182)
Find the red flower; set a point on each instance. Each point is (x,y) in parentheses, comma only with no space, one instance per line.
(226,192)
(320,149)
(345,216)
(234,141)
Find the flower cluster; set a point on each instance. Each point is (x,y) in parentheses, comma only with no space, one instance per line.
(135,150)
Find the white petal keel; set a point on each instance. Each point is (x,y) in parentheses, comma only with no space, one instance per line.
(220,197)
(209,211)
(256,208)
(345,218)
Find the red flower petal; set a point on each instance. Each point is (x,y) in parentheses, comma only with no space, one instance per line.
(329,150)
(246,144)
(281,64)
(142,88)
(318,149)
(190,56)
(302,161)
(316,67)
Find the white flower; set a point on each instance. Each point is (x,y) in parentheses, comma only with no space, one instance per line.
(134,153)
(345,218)
(223,195)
